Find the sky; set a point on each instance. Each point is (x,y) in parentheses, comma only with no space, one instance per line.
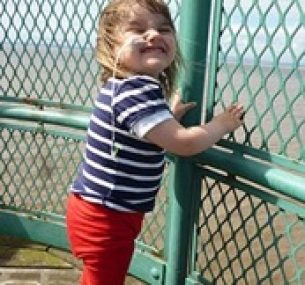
(64,23)
(283,25)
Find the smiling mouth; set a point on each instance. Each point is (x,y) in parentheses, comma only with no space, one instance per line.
(152,49)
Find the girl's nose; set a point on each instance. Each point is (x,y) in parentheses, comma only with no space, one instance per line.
(151,34)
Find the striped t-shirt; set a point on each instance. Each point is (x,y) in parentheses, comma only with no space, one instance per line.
(122,170)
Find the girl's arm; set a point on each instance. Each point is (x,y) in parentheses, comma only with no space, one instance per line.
(179,140)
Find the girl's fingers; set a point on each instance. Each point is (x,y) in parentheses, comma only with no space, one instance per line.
(243,115)
(190,105)
(237,110)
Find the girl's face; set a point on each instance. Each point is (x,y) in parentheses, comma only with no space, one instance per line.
(147,43)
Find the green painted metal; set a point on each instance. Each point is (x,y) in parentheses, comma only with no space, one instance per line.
(282,202)
(196,279)
(57,117)
(252,204)
(193,28)
(193,41)
(27,101)
(276,159)
(255,60)
(179,222)
(29,226)
(269,176)
(148,268)
(216,28)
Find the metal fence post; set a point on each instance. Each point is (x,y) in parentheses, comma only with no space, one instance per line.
(193,33)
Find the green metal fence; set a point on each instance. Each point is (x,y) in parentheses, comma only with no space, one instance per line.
(231,215)
(250,226)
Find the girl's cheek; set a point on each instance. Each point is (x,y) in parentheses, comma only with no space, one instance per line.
(173,47)
(171,42)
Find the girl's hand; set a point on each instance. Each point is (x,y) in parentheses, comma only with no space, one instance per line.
(179,108)
(183,141)
(231,118)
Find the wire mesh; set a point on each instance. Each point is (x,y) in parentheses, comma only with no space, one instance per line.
(244,238)
(260,62)
(36,169)
(47,61)
(247,234)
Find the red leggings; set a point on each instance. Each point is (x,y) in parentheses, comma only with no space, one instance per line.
(103,239)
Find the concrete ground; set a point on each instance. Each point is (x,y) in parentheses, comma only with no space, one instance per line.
(26,263)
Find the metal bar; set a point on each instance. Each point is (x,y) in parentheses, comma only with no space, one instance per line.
(53,132)
(43,103)
(179,222)
(194,27)
(280,160)
(292,207)
(29,227)
(214,54)
(147,267)
(62,118)
(261,173)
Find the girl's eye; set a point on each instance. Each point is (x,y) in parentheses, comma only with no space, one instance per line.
(165,29)
(136,30)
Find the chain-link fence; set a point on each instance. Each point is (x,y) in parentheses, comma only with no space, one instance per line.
(250,228)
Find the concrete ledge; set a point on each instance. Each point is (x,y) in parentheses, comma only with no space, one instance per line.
(25,276)
(23,262)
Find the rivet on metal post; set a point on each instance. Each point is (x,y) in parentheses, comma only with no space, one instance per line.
(155,273)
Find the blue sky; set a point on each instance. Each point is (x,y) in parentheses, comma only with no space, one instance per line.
(44,29)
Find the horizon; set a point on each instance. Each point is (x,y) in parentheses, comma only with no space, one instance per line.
(272,26)
(246,61)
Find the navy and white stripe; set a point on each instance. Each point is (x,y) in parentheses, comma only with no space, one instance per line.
(128,178)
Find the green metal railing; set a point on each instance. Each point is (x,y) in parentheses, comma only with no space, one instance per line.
(250,226)
(231,215)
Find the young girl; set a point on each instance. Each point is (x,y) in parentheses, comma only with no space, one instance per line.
(130,129)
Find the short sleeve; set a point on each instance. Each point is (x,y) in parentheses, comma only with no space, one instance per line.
(137,98)
(142,127)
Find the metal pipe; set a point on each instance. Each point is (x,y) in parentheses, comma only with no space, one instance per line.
(268,176)
(62,118)
(194,28)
